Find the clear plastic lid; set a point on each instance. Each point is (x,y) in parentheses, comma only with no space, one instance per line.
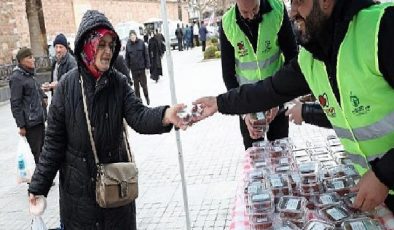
(257,174)
(255,187)
(338,148)
(301,153)
(291,204)
(327,199)
(277,152)
(319,150)
(261,203)
(261,222)
(341,186)
(318,225)
(286,225)
(300,160)
(334,142)
(309,171)
(279,184)
(364,223)
(335,214)
(322,157)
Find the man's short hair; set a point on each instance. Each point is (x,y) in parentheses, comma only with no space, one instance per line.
(23,52)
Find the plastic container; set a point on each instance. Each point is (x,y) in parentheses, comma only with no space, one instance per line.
(318,225)
(257,174)
(300,160)
(294,180)
(327,199)
(334,142)
(319,151)
(261,202)
(291,207)
(300,153)
(364,223)
(277,152)
(279,184)
(338,148)
(309,171)
(341,186)
(322,157)
(261,223)
(349,201)
(189,112)
(335,214)
(286,225)
(328,164)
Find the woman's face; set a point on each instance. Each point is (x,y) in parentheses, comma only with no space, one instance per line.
(104,53)
(28,62)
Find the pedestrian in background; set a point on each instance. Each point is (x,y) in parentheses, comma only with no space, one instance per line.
(110,101)
(137,60)
(188,37)
(203,35)
(195,33)
(179,36)
(244,38)
(63,62)
(156,52)
(28,102)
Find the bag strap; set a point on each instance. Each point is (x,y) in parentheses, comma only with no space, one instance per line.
(92,143)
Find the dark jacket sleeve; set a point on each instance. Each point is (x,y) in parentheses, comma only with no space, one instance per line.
(147,59)
(287,84)
(383,167)
(143,119)
(286,39)
(228,61)
(53,152)
(127,57)
(16,88)
(120,65)
(313,114)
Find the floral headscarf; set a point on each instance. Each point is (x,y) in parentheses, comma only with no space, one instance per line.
(89,49)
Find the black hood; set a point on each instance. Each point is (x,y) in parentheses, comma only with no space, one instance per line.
(93,19)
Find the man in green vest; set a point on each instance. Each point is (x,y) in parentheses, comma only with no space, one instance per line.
(256,39)
(347,63)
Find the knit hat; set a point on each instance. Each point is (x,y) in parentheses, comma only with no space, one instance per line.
(22,53)
(60,39)
(132,32)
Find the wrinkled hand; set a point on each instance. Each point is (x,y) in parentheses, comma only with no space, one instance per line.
(271,114)
(46,87)
(208,105)
(171,117)
(32,199)
(295,113)
(22,132)
(254,132)
(53,85)
(371,192)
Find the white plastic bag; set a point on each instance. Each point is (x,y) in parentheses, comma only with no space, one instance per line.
(24,162)
(38,224)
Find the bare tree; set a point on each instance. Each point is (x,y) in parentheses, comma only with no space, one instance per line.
(37,31)
(203,5)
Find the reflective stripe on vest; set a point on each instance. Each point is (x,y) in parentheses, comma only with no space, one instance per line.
(252,65)
(372,131)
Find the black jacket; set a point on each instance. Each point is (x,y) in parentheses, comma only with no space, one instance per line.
(313,114)
(66,64)
(137,57)
(120,66)
(289,83)
(27,99)
(67,147)
(286,39)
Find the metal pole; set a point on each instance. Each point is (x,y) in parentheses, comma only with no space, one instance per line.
(174,101)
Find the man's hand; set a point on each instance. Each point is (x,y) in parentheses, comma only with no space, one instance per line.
(171,117)
(254,131)
(208,105)
(22,132)
(271,114)
(53,85)
(295,113)
(46,87)
(371,192)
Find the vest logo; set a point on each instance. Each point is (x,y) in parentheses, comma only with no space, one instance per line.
(242,51)
(358,109)
(323,100)
(268,46)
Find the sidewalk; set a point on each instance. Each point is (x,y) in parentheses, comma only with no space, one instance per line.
(212,154)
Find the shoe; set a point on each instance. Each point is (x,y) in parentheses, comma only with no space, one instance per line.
(53,183)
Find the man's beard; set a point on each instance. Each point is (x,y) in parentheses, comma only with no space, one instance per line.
(315,23)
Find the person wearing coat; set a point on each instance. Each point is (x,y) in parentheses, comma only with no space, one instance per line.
(28,102)
(155,54)
(110,100)
(63,62)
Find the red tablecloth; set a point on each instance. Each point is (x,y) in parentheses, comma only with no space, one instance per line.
(240,219)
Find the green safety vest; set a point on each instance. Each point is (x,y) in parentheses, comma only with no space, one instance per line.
(364,117)
(250,66)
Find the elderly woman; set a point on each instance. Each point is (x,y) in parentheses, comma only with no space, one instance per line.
(67,147)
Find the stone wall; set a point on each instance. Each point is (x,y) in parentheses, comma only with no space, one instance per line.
(63,16)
